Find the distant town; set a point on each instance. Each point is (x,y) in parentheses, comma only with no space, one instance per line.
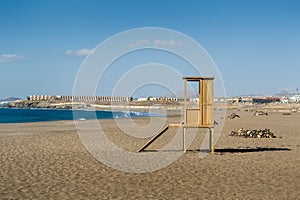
(284,99)
(294,98)
(261,99)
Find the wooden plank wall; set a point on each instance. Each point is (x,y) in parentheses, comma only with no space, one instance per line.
(207,102)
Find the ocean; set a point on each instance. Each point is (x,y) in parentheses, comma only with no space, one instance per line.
(9,115)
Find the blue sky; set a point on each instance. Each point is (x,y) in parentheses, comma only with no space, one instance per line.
(255,44)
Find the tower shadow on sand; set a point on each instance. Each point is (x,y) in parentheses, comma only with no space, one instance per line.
(229,150)
(243,150)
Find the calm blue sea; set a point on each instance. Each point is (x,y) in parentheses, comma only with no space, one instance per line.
(8,115)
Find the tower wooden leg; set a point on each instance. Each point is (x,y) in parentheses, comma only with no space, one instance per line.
(184,140)
(209,140)
(212,141)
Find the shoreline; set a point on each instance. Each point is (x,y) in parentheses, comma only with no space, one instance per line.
(285,109)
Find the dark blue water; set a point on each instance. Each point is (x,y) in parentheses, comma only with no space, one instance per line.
(8,115)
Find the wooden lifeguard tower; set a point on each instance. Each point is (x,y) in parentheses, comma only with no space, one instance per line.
(200,116)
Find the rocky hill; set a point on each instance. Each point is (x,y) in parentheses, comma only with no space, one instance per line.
(57,104)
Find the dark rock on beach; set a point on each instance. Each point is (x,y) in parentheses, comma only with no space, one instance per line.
(261,133)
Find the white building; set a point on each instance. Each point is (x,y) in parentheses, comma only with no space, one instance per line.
(142,99)
(284,100)
(294,98)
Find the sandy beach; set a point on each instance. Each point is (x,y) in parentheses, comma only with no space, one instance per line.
(48,161)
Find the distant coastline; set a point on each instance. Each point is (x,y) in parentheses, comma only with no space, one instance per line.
(146,105)
(86,105)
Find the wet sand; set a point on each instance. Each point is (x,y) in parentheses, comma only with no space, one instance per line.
(48,161)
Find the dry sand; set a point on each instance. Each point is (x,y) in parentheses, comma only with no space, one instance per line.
(47,161)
